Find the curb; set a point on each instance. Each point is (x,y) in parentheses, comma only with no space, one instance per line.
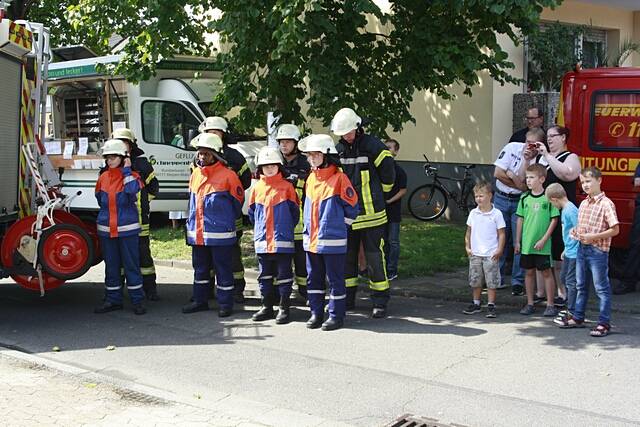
(405,288)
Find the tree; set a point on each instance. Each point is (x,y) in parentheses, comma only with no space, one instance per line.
(553,51)
(52,14)
(281,54)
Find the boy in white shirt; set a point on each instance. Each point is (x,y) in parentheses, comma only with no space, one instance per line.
(484,242)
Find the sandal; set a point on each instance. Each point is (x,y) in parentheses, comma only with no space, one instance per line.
(601,330)
(570,323)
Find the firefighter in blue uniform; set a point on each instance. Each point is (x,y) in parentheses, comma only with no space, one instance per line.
(370,167)
(118,227)
(274,209)
(215,202)
(297,170)
(141,165)
(330,205)
(236,161)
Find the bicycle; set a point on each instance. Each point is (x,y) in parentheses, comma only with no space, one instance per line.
(429,201)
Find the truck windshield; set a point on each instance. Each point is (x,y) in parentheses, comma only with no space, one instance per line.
(615,124)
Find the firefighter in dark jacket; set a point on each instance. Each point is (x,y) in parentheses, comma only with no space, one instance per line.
(297,168)
(236,162)
(140,164)
(369,166)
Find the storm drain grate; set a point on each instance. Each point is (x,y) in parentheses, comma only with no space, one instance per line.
(134,396)
(409,420)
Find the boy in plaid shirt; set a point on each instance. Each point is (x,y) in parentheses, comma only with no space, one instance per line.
(597,224)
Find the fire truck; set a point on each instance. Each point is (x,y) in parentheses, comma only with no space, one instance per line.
(601,107)
(43,245)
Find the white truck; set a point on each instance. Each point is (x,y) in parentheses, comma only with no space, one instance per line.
(164,112)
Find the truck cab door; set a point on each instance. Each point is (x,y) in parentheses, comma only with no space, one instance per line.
(166,128)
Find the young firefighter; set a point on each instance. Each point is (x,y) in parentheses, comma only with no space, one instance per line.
(142,166)
(236,162)
(274,209)
(484,243)
(597,225)
(297,168)
(569,219)
(331,204)
(215,202)
(537,218)
(118,227)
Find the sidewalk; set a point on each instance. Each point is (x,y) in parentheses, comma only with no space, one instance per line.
(450,286)
(33,394)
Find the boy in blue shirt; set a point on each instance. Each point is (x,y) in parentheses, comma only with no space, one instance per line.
(569,219)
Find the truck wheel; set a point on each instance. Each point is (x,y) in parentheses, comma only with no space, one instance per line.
(10,244)
(65,251)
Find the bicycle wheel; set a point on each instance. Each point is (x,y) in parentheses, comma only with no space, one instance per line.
(427,202)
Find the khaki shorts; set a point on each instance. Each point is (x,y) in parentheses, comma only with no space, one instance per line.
(483,270)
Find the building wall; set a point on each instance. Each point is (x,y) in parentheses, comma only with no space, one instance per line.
(475,129)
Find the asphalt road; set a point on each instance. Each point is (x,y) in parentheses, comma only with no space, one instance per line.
(427,359)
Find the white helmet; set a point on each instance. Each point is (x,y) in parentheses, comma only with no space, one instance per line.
(287,131)
(213,123)
(123,133)
(207,140)
(114,146)
(345,121)
(268,156)
(318,142)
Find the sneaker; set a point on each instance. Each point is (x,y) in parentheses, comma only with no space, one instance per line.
(502,285)
(472,309)
(527,310)
(550,311)
(559,302)
(517,290)
(491,311)
(393,277)
(539,300)
(562,317)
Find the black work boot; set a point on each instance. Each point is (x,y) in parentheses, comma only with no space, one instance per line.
(332,323)
(283,313)
(351,297)
(107,307)
(138,309)
(194,307)
(151,292)
(315,321)
(379,312)
(225,312)
(265,313)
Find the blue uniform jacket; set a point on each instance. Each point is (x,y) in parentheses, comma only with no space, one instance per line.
(274,211)
(330,206)
(117,193)
(215,202)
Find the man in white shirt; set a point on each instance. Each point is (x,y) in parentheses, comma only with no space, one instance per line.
(509,187)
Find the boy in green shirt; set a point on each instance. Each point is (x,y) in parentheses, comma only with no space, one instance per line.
(537,218)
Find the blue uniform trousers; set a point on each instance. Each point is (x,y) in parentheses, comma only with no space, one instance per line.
(207,258)
(329,267)
(122,252)
(276,266)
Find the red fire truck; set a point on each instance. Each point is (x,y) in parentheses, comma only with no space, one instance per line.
(601,107)
(42,244)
